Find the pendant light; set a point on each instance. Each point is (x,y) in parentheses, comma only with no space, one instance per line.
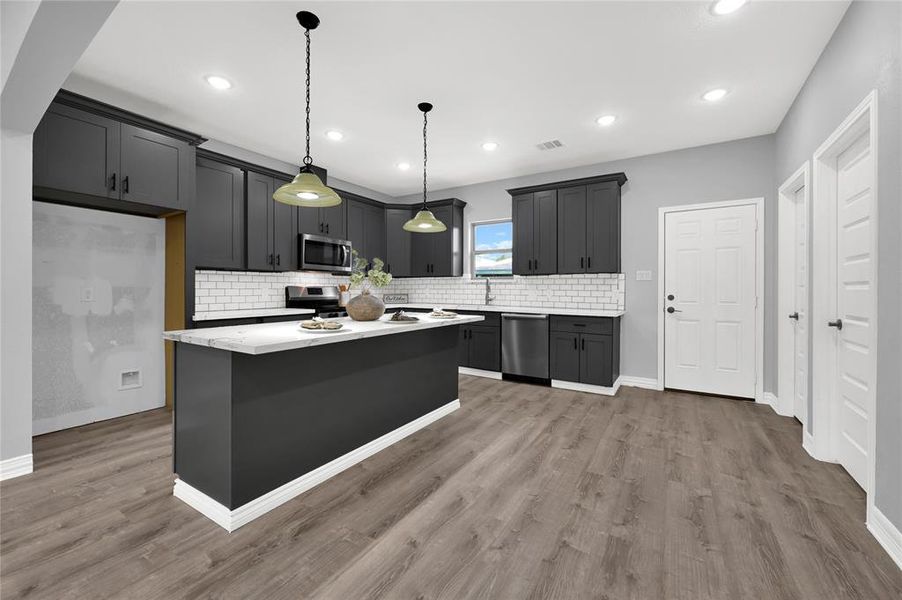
(425,221)
(307,189)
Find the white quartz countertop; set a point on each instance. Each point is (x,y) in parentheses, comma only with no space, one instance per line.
(264,338)
(578,312)
(250,313)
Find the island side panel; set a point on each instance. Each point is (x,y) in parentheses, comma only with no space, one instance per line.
(203,419)
(297,410)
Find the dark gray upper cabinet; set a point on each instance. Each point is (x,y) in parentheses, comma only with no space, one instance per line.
(523,218)
(271,226)
(284,232)
(571,223)
(584,230)
(603,222)
(260,256)
(92,154)
(155,169)
(77,151)
(535,233)
(216,223)
(366,227)
(329,221)
(440,254)
(397,241)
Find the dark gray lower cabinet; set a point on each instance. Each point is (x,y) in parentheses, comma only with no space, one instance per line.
(585,350)
(480,347)
(216,222)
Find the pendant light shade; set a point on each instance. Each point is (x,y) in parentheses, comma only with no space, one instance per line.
(425,221)
(307,189)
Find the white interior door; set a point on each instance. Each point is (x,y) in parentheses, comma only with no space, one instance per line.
(710,274)
(800,304)
(854,305)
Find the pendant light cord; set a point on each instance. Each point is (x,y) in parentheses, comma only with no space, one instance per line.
(307,159)
(425,118)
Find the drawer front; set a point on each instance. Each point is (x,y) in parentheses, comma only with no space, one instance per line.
(600,325)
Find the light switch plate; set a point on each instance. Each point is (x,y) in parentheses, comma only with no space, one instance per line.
(643,275)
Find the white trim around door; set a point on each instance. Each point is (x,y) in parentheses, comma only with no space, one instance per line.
(793,295)
(848,287)
(758,203)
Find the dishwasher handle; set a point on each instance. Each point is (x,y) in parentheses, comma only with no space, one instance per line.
(522,316)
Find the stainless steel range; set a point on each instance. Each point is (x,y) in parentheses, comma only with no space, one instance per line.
(322,299)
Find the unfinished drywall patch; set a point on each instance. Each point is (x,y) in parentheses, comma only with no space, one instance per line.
(97,315)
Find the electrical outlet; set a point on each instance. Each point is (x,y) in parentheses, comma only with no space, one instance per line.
(131,379)
(87,294)
(643,275)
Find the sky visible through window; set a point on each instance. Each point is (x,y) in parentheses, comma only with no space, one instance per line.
(493,249)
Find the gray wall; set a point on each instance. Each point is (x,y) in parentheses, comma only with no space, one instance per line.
(727,171)
(45,42)
(865,53)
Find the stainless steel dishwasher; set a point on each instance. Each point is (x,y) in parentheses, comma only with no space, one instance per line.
(524,345)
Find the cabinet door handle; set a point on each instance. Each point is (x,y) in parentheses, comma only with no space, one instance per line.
(535,263)
(269,259)
(125,184)
(574,342)
(583,344)
(589,263)
(327,228)
(582,261)
(321,228)
(529,268)
(113,186)
(278,259)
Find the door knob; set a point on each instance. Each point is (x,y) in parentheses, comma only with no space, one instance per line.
(672,310)
(837,323)
(794,316)
(671,297)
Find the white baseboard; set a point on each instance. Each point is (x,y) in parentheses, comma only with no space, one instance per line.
(14,467)
(773,401)
(230,520)
(886,533)
(585,387)
(640,382)
(479,373)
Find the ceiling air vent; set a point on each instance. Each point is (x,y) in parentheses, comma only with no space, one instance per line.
(552,145)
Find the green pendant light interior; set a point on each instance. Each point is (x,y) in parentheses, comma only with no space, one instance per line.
(307,189)
(424,221)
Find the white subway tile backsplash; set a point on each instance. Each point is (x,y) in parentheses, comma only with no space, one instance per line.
(232,290)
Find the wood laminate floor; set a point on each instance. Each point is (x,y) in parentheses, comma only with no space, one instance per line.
(526,492)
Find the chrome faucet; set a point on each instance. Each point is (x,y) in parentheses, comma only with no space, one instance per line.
(488,292)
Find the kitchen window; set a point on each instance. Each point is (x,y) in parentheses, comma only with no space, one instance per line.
(492,248)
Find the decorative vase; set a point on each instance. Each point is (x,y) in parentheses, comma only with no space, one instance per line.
(365,307)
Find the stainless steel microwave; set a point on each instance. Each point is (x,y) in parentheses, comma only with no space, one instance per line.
(320,253)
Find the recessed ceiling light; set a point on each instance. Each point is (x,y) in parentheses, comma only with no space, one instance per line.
(490,146)
(334,135)
(218,82)
(725,7)
(403,166)
(715,94)
(606,120)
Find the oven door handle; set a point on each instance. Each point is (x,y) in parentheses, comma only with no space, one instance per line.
(344,255)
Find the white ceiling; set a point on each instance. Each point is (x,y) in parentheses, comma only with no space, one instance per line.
(516,73)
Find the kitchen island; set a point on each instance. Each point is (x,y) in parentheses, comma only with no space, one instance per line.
(265,412)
